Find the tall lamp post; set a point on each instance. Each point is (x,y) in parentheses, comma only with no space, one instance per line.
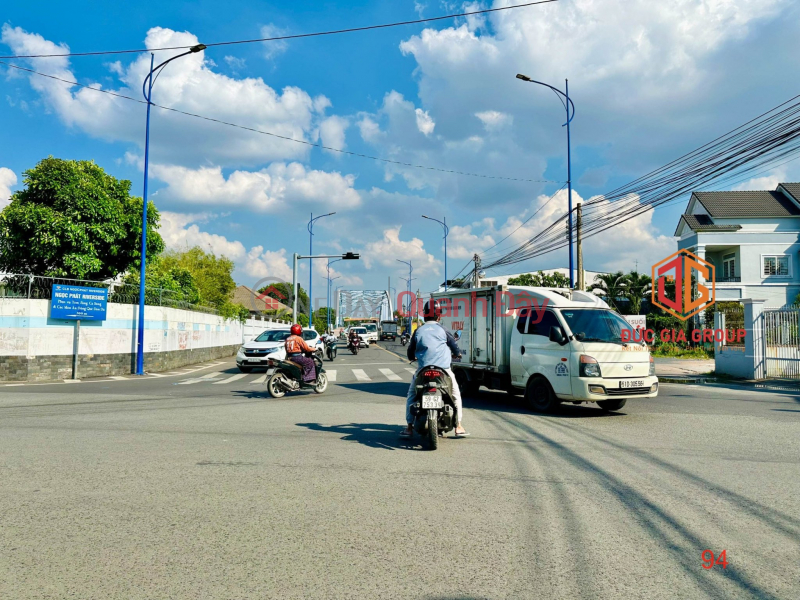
(408,288)
(564,97)
(328,311)
(446,231)
(147,85)
(408,281)
(338,316)
(310,228)
(296,257)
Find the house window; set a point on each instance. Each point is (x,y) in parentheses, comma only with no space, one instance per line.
(775,265)
(728,266)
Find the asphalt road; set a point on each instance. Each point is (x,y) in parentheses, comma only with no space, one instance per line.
(199,485)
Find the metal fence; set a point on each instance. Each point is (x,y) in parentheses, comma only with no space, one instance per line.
(37,287)
(782,342)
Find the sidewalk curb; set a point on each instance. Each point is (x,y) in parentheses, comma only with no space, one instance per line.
(744,383)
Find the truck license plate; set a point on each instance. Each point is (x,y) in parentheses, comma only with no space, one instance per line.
(631,383)
(432,401)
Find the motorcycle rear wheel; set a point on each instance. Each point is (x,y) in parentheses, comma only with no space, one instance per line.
(274,387)
(433,434)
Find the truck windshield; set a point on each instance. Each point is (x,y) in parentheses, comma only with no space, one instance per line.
(596,325)
(371,327)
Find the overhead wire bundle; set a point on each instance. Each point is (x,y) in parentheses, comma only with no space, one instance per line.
(765,142)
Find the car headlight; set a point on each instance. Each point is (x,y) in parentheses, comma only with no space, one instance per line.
(241,351)
(652,366)
(589,367)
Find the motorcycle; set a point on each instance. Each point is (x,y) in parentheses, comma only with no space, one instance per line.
(287,376)
(433,410)
(330,349)
(353,346)
(404,339)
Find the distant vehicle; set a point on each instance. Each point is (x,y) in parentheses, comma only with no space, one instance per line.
(372,332)
(363,335)
(388,330)
(272,344)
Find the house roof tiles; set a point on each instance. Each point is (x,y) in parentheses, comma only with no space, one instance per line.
(748,204)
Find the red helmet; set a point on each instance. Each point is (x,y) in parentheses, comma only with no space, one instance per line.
(296,329)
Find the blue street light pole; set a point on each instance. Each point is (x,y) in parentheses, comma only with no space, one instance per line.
(310,228)
(408,289)
(148,83)
(564,97)
(446,231)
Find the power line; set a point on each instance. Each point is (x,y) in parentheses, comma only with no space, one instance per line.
(289,37)
(283,137)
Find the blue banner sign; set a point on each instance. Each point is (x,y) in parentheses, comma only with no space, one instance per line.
(77,302)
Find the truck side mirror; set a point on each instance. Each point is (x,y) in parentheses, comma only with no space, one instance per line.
(557,335)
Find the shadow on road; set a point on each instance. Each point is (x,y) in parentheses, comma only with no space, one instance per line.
(503,402)
(389,388)
(373,435)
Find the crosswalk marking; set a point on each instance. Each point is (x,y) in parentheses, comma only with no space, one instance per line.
(391,375)
(411,370)
(331,375)
(212,375)
(231,379)
(261,379)
(360,375)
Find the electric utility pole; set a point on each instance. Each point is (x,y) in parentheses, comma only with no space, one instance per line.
(579,224)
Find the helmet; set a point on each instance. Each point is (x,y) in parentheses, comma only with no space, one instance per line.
(433,310)
(296,329)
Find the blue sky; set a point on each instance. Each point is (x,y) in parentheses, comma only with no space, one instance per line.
(650,82)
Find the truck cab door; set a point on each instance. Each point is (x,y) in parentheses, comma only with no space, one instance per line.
(538,355)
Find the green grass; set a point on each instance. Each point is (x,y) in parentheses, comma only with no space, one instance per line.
(675,351)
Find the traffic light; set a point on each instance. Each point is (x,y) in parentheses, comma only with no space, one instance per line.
(350,256)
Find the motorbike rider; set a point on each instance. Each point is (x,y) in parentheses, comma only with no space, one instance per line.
(355,339)
(296,348)
(432,344)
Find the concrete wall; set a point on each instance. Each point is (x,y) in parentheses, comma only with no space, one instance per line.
(34,347)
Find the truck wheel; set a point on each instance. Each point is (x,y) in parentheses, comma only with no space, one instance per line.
(612,405)
(468,388)
(540,395)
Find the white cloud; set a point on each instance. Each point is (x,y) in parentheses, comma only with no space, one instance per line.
(424,122)
(494,120)
(332,132)
(462,243)
(276,47)
(235,63)
(260,263)
(370,130)
(189,84)
(275,188)
(7,179)
(180,231)
(387,250)
(766,182)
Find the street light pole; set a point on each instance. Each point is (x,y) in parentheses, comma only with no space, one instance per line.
(148,83)
(408,288)
(328,311)
(310,228)
(296,257)
(565,100)
(446,231)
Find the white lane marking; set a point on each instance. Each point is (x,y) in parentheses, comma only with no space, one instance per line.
(157,374)
(411,370)
(390,375)
(261,379)
(72,380)
(118,378)
(231,379)
(189,381)
(13,384)
(213,375)
(331,375)
(360,375)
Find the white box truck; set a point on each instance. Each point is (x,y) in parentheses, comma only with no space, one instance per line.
(552,345)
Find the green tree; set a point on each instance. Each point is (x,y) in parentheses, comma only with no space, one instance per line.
(612,286)
(321,319)
(282,292)
(541,279)
(637,286)
(74,220)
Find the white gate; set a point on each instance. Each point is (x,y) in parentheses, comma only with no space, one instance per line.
(781,343)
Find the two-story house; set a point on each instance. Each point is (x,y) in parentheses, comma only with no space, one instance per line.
(751,238)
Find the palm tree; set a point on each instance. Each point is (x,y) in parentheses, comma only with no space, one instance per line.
(611,286)
(637,286)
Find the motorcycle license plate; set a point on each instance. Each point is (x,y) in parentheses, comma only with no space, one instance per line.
(432,401)
(631,383)
(270,372)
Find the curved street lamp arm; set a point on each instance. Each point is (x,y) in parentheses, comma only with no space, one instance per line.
(192,50)
(310,225)
(561,95)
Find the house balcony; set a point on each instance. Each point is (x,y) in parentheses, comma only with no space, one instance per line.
(728,279)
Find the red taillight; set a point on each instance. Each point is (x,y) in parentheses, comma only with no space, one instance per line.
(432,374)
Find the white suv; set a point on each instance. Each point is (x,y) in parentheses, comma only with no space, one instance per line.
(271,344)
